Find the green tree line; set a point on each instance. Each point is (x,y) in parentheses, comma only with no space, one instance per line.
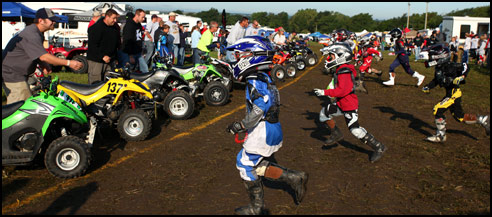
(310,20)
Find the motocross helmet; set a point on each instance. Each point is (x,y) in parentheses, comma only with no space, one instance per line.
(342,34)
(244,50)
(396,33)
(342,54)
(438,54)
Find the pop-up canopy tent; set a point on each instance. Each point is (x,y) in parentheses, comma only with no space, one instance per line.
(103,6)
(15,9)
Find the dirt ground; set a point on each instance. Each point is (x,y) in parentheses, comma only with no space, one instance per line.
(196,174)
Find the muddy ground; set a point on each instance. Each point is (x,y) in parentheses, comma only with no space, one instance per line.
(196,173)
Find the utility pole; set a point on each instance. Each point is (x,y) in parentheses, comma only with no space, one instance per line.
(426,9)
(408,15)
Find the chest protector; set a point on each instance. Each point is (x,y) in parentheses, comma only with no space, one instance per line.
(344,70)
(447,72)
(273,111)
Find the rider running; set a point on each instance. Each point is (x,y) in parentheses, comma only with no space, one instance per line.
(347,104)
(449,75)
(264,138)
(401,59)
(366,52)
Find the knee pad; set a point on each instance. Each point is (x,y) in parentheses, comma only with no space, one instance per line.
(261,167)
(358,132)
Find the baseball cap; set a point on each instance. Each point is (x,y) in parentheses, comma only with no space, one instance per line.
(172,14)
(96,14)
(46,13)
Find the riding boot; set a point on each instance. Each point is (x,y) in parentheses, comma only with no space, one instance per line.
(296,179)
(483,120)
(336,135)
(420,78)
(255,192)
(441,131)
(360,84)
(378,147)
(391,80)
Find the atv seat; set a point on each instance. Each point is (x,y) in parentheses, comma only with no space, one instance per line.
(84,89)
(141,76)
(9,109)
(182,70)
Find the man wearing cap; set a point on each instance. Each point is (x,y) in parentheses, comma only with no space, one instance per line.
(24,51)
(150,29)
(95,16)
(174,32)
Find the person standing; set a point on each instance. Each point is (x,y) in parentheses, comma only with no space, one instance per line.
(150,29)
(163,43)
(95,17)
(103,43)
(418,41)
(205,27)
(237,32)
(466,48)
(25,51)
(474,47)
(132,41)
(195,38)
(174,32)
(253,29)
(205,44)
(401,59)
(279,39)
(256,161)
(182,45)
(346,102)
(453,48)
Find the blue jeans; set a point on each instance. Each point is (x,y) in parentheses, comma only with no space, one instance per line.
(175,52)
(417,52)
(181,56)
(141,63)
(464,58)
(196,56)
(149,46)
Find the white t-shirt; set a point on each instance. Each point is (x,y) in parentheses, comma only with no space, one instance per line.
(151,27)
(279,39)
(174,31)
(474,43)
(467,43)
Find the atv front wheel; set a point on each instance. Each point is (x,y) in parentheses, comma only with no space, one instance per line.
(216,94)
(134,125)
(291,70)
(301,64)
(179,105)
(67,157)
(85,65)
(311,59)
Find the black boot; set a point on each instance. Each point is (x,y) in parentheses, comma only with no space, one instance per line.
(336,135)
(360,86)
(296,179)
(255,192)
(377,146)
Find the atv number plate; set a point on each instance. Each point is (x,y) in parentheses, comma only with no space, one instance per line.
(112,87)
(243,64)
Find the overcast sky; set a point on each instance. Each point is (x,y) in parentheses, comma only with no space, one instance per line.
(378,10)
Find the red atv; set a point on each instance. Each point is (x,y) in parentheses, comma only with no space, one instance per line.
(283,65)
(79,54)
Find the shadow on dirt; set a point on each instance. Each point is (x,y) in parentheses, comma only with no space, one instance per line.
(71,200)
(416,123)
(14,186)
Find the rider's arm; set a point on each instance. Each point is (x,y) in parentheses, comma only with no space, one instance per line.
(256,113)
(53,60)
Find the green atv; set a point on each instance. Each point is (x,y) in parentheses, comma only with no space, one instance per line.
(51,124)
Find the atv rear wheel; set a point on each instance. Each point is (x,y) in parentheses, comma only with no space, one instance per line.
(179,105)
(278,73)
(216,94)
(291,70)
(67,157)
(134,125)
(301,64)
(85,65)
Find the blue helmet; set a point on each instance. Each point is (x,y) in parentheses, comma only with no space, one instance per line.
(250,52)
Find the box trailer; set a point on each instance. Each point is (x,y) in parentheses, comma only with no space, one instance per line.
(458,26)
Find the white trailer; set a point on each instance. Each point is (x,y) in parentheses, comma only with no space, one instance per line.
(458,26)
